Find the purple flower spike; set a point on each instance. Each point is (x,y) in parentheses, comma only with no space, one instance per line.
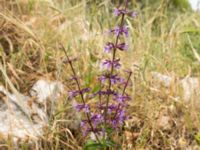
(108,63)
(121,30)
(80,107)
(107,92)
(122,46)
(102,78)
(121,98)
(114,124)
(97,119)
(85,90)
(83,123)
(114,79)
(118,12)
(74,93)
(121,117)
(109,46)
(112,108)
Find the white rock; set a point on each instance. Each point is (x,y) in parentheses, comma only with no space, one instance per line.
(189,85)
(191,88)
(164,80)
(43,89)
(13,120)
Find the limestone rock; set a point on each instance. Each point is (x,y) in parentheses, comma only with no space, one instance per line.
(13,121)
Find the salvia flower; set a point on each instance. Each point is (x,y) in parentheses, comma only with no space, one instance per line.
(107,92)
(112,108)
(122,46)
(110,111)
(97,119)
(113,78)
(80,107)
(120,30)
(118,12)
(120,117)
(109,46)
(108,63)
(121,98)
(74,93)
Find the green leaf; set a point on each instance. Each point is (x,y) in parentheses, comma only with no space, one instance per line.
(197,138)
(109,130)
(94,146)
(110,144)
(96,89)
(190,30)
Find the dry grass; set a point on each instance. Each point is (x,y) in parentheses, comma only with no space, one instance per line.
(30,32)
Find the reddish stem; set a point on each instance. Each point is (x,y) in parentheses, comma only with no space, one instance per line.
(80,91)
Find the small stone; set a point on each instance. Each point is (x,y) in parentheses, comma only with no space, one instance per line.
(164,122)
(164,80)
(190,87)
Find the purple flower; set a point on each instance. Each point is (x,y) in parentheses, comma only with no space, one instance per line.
(85,131)
(118,12)
(112,108)
(83,123)
(120,117)
(96,119)
(122,46)
(80,107)
(74,93)
(121,30)
(121,98)
(109,46)
(114,124)
(113,78)
(103,92)
(107,92)
(134,14)
(85,90)
(109,111)
(108,63)
(103,78)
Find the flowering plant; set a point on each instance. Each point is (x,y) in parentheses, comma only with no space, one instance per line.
(107,116)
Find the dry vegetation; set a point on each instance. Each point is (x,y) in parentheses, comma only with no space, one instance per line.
(161,41)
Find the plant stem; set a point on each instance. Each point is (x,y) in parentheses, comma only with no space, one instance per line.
(112,65)
(79,89)
(124,90)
